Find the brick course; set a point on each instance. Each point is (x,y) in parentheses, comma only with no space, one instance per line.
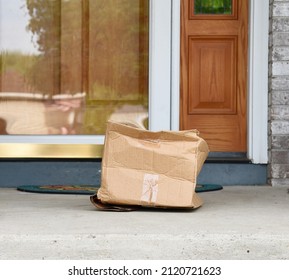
(279,93)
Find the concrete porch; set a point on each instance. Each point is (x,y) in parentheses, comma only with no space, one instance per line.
(238,222)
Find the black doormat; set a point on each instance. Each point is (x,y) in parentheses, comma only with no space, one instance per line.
(60,189)
(91,189)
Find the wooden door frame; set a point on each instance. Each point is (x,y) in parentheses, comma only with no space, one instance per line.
(257,77)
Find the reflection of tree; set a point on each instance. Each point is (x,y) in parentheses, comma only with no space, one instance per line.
(118,47)
(109,52)
(45,26)
(44,23)
(95,46)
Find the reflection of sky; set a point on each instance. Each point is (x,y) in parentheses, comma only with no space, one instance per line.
(13,21)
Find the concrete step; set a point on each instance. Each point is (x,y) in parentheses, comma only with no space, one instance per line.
(240,222)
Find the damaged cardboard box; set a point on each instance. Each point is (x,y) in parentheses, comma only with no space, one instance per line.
(150,169)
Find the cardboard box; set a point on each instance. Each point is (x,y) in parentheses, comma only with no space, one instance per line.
(150,169)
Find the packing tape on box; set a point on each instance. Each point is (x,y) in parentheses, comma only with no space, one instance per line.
(150,188)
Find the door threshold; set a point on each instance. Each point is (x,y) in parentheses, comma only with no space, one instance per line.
(227,157)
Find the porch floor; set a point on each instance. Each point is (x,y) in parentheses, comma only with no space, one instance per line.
(238,222)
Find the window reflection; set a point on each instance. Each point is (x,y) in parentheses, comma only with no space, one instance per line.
(69,65)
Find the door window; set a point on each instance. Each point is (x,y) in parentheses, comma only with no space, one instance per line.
(213,7)
(219,9)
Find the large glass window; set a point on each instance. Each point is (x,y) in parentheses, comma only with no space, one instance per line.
(67,66)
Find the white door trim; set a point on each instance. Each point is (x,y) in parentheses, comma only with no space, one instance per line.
(176,40)
(258,82)
(258,77)
(160,65)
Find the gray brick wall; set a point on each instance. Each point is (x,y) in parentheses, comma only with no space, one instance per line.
(279,93)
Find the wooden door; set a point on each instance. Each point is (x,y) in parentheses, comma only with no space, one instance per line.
(214,50)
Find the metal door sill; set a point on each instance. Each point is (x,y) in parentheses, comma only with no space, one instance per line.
(227,157)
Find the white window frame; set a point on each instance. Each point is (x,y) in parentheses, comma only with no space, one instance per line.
(160,75)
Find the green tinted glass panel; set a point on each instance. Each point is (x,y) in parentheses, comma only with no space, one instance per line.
(213,7)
